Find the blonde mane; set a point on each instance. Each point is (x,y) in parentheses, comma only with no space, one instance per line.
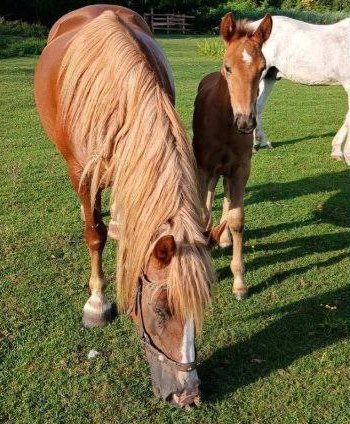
(113,105)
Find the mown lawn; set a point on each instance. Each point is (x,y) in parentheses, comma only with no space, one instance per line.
(280,357)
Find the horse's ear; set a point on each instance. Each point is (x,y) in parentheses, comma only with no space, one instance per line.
(214,234)
(227,27)
(164,249)
(262,33)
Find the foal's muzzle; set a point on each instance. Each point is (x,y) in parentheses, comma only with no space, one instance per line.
(246,124)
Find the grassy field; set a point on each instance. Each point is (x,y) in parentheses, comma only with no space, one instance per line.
(280,357)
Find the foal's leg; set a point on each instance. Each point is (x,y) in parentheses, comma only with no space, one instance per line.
(211,185)
(265,87)
(235,220)
(114,223)
(207,186)
(225,239)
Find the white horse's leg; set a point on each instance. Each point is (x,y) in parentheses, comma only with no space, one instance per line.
(346,149)
(265,87)
(339,139)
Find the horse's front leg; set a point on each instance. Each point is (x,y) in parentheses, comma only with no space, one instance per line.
(97,310)
(265,87)
(235,220)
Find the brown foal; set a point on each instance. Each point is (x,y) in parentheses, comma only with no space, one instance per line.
(223,124)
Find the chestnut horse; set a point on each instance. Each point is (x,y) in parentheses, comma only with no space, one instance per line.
(223,124)
(105,96)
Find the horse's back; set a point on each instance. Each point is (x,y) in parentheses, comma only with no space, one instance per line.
(60,37)
(74,20)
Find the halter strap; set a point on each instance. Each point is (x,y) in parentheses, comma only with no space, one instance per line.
(146,339)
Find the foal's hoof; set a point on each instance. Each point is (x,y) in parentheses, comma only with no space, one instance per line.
(225,245)
(97,312)
(241,294)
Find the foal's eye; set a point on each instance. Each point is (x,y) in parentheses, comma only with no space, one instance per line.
(228,69)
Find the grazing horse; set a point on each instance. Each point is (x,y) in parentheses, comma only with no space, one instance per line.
(105,96)
(223,124)
(307,54)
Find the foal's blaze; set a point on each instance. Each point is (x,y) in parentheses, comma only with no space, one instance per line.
(243,65)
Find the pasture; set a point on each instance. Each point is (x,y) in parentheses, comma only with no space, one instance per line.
(279,357)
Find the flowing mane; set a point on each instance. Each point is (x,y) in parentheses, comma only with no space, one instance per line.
(107,87)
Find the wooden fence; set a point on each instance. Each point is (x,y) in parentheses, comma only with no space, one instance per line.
(168,22)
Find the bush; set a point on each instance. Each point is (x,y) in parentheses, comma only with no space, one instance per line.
(211,20)
(21,39)
(211,47)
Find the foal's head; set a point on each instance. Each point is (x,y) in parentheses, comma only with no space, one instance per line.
(243,65)
(169,340)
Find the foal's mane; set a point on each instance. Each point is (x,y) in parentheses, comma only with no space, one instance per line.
(113,105)
(243,28)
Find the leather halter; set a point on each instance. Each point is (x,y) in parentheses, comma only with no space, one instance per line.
(150,347)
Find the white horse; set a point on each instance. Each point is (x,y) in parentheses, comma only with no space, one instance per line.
(307,54)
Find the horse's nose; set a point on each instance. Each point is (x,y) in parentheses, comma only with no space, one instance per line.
(245,123)
(187,399)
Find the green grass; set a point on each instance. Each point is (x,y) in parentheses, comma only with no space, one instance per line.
(280,357)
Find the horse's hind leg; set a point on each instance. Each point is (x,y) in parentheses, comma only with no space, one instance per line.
(338,140)
(346,148)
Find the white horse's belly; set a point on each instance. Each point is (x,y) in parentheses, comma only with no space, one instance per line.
(309,54)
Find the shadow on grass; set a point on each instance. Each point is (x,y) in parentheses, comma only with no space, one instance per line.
(277,191)
(278,144)
(306,326)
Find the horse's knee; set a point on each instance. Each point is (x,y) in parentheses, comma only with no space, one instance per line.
(236,224)
(95,236)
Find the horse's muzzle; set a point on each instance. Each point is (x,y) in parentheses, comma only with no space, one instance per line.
(246,124)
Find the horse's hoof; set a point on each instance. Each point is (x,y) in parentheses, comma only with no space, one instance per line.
(337,156)
(241,295)
(96,313)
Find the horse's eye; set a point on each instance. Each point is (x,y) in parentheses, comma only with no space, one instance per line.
(162,315)
(228,69)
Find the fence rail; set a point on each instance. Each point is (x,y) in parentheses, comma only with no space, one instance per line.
(168,22)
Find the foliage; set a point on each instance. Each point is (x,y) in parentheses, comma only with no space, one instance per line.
(211,19)
(211,47)
(21,39)
(280,357)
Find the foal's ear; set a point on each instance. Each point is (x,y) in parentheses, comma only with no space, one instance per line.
(164,249)
(227,27)
(262,33)
(214,234)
